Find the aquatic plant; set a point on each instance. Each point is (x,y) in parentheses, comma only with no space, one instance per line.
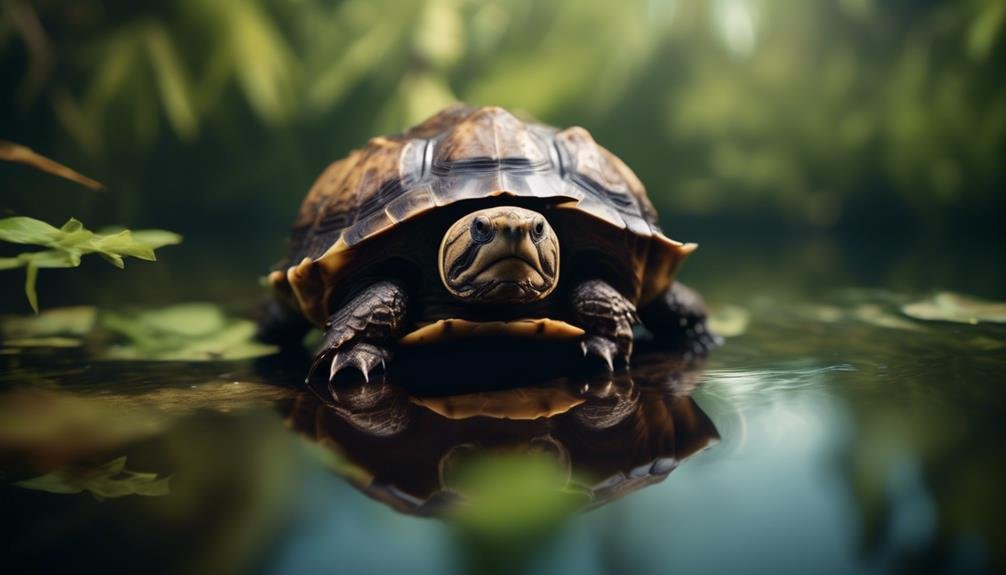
(65,245)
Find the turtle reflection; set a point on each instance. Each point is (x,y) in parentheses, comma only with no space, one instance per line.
(609,437)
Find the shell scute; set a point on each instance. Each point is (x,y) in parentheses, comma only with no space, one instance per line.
(467,153)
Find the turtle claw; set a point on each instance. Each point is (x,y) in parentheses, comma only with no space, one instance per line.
(600,348)
(364,358)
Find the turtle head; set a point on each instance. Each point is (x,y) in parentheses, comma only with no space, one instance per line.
(500,255)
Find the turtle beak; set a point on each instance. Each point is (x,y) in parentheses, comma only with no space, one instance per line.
(517,239)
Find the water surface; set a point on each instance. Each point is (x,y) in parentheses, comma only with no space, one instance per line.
(832,433)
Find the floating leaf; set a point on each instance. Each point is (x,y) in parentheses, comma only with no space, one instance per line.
(947,306)
(185,332)
(985,343)
(12,152)
(729,321)
(61,342)
(61,327)
(878,316)
(106,481)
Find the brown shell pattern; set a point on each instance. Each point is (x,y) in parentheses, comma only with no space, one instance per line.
(465,153)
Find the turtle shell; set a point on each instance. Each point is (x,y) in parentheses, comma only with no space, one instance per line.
(465,154)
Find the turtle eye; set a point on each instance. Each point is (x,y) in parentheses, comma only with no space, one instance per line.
(482,230)
(538,230)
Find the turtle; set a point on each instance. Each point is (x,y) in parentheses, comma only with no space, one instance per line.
(476,222)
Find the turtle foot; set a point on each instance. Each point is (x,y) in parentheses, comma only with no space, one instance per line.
(360,362)
(604,352)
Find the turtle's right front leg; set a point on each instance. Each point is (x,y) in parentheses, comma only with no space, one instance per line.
(360,335)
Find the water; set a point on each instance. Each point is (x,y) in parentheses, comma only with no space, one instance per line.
(831,433)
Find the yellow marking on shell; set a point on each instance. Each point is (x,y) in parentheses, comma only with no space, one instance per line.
(280,286)
(307,286)
(455,329)
(662,262)
(522,404)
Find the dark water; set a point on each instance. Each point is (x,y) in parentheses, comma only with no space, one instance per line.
(832,433)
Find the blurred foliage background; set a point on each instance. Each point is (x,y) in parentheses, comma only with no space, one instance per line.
(212,118)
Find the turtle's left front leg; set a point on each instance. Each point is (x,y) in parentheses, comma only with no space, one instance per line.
(360,335)
(607,316)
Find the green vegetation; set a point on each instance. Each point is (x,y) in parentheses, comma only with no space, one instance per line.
(183,332)
(105,481)
(68,243)
(814,114)
(65,246)
(512,504)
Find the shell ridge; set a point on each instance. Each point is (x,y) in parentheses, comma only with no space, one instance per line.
(466,154)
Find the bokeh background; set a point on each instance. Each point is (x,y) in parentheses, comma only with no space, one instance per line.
(878,124)
(807,145)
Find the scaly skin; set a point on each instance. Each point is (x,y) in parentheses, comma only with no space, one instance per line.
(607,317)
(360,335)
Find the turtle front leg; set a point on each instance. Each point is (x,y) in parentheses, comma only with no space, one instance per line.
(359,336)
(678,319)
(607,317)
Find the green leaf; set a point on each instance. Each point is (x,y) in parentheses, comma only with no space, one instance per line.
(72,225)
(52,258)
(156,238)
(123,244)
(729,320)
(10,263)
(76,322)
(105,481)
(948,306)
(24,230)
(31,278)
(184,332)
(114,259)
(188,320)
(71,241)
(72,234)
(60,342)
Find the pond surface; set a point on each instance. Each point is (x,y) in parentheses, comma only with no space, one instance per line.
(832,433)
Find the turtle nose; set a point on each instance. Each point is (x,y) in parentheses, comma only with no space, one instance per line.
(513,232)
